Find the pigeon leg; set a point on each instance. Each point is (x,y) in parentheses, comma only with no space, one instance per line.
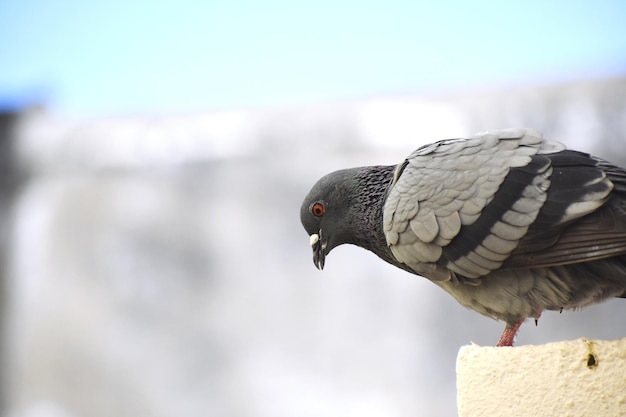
(508,335)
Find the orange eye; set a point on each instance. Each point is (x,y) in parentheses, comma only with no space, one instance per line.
(317,209)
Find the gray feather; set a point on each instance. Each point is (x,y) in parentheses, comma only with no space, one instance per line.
(443,180)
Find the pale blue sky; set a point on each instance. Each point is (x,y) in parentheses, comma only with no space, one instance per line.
(121,57)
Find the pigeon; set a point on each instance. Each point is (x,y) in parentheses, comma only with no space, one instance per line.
(508,223)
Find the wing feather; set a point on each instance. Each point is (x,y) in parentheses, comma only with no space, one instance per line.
(528,204)
(503,200)
(447,205)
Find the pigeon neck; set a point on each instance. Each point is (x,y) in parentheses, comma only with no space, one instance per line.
(372,191)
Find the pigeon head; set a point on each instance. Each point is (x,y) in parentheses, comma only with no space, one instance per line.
(345,207)
(324,213)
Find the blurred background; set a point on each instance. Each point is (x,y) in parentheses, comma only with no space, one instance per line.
(153,159)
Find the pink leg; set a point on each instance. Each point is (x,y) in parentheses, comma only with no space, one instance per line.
(508,335)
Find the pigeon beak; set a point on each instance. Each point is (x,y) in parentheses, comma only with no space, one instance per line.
(318,250)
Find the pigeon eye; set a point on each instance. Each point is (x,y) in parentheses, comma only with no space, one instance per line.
(317,209)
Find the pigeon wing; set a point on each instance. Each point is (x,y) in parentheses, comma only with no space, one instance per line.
(560,235)
(462,206)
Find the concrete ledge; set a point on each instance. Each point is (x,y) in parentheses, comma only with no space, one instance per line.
(572,378)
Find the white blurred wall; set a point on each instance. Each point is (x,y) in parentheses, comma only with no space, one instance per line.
(159,267)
